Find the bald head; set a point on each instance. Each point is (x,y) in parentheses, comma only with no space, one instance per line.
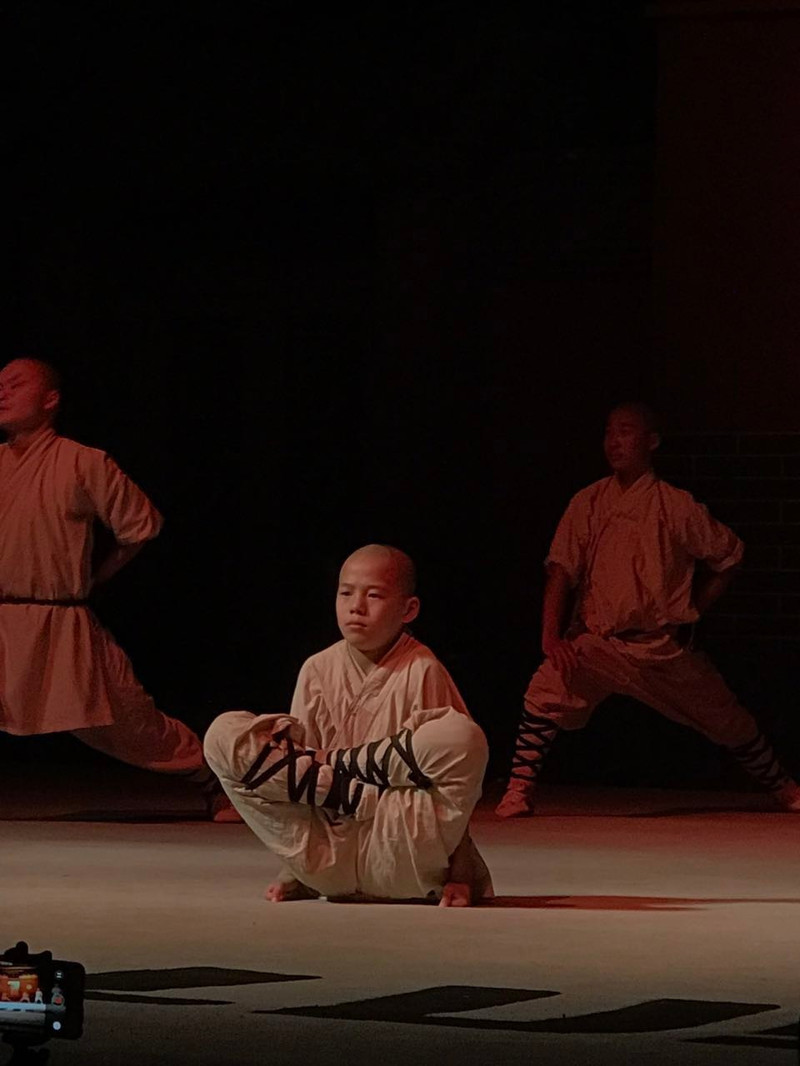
(396,561)
(375,600)
(629,442)
(648,417)
(29,396)
(45,372)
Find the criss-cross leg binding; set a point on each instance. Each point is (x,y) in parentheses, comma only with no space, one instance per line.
(374,763)
(536,735)
(761,763)
(342,794)
(336,780)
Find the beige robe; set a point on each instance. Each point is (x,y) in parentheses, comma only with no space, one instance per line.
(343,699)
(404,851)
(59,669)
(631,555)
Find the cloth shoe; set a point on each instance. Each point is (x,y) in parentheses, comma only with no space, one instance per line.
(788,797)
(517,801)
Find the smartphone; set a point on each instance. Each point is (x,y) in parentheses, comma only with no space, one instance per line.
(41,997)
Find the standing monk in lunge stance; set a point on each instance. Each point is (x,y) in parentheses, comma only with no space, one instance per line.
(59,669)
(632,560)
(366,790)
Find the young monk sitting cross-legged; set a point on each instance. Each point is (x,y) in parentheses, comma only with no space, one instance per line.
(367,788)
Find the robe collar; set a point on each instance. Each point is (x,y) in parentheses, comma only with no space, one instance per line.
(38,442)
(640,485)
(365,664)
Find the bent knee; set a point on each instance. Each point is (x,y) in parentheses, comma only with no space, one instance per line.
(449,726)
(222,740)
(472,737)
(731,729)
(451,740)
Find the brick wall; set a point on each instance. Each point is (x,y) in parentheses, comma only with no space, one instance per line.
(751,481)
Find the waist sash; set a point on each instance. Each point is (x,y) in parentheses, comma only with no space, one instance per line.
(25,600)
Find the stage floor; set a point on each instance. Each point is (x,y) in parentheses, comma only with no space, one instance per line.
(630,927)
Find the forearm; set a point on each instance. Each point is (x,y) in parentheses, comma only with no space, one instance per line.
(709,586)
(555,607)
(118,557)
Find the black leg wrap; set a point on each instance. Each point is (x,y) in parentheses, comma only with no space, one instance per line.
(401,742)
(259,761)
(760,762)
(343,796)
(345,761)
(536,735)
(295,789)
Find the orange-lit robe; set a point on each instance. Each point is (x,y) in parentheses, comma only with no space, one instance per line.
(631,557)
(632,554)
(59,669)
(341,700)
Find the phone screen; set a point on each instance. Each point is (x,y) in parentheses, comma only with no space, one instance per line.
(41,997)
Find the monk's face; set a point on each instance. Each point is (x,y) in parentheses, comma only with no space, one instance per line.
(371,605)
(628,442)
(27,402)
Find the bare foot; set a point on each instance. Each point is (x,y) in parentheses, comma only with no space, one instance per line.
(456,894)
(286,891)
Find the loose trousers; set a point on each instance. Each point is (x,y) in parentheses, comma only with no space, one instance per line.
(397,844)
(681,684)
(141,734)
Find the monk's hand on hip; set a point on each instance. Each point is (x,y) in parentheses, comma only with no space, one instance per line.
(562,655)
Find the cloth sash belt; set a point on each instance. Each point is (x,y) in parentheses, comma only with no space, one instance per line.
(24,600)
(683,634)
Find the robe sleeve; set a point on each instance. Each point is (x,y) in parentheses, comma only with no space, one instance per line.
(707,539)
(119,503)
(568,549)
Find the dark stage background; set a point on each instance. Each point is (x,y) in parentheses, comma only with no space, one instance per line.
(318,278)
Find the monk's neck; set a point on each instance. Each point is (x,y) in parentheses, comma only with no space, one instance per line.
(363,661)
(628,478)
(368,660)
(25,438)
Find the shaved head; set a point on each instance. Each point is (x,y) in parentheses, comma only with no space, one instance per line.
(46,371)
(650,420)
(405,572)
(29,397)
(375,600)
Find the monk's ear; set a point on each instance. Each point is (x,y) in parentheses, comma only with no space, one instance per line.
(654,441)
(412,609)
(51,401)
